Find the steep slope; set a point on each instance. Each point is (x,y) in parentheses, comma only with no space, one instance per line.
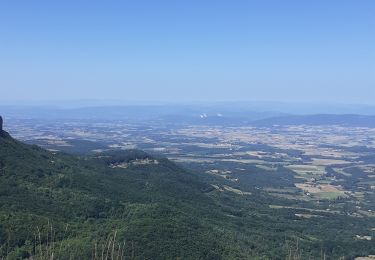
(159,207)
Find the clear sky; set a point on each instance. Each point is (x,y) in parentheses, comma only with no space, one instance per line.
(188,50)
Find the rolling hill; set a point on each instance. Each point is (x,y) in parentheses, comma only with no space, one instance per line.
(319,119)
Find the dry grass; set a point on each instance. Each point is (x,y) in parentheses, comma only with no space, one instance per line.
(47,246)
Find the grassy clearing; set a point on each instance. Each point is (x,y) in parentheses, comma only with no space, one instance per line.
(307,171)
(320,191)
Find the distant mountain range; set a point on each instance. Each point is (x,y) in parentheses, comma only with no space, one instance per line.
(181,114)
(322,119)
(172,113)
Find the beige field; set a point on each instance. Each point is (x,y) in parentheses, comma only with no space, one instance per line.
(306,209)
(267,167)
(307,216)
(328,162)
(58,142)
(231,189)
(237,191)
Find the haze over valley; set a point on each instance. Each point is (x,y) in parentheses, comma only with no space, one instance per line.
(187,130)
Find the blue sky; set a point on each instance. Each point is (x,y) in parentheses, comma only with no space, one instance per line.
(307,51)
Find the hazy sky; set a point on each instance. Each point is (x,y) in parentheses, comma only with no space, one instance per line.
(316,51)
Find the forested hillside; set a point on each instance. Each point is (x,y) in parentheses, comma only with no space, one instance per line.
(129,204)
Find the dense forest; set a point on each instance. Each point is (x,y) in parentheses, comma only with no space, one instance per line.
(128,204)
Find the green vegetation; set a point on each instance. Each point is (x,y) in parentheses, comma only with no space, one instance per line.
(81,208)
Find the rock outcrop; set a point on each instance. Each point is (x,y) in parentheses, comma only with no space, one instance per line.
(1,124)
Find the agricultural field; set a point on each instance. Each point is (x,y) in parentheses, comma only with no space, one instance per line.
(300,163)
(308,180)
